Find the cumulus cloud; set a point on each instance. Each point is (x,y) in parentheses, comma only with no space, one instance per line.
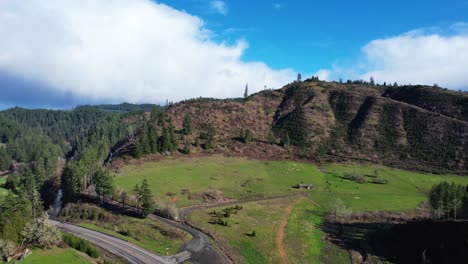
(219,7)
(416,57)
(420,59)
(119,50)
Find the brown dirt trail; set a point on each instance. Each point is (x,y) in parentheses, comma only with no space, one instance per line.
(282,227)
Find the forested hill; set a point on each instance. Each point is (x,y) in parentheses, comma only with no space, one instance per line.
(44,136)
(416,127)
(122,108)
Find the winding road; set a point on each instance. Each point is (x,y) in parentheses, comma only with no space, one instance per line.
(120,248)
(199,250)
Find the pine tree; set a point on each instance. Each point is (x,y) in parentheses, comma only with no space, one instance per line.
(153,139)
(146,198)
(187,125)
(138,152)
(5,159)
(299,77)
(246,91)
(102,181)
(39,170)
(145,143)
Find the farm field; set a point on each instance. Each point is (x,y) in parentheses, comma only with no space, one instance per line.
(56,256)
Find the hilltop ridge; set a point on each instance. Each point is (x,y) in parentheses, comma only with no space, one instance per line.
(409,126)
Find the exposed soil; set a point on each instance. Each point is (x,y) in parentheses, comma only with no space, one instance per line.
(282,227)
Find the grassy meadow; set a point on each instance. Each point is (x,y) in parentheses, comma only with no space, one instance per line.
(235,177)
(262,217)
(56,256)
(242,178)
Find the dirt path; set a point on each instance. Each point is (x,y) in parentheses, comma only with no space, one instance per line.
(282,227)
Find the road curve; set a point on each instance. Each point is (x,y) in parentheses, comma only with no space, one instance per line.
(120,248)
(200,247)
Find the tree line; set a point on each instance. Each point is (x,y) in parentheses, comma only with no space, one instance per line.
(449,200)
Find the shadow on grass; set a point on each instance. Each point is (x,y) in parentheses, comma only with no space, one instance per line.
(412,242)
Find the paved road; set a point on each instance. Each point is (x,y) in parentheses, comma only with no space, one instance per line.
(200,248)
(118,247)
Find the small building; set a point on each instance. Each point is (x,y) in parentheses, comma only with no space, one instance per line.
(304,186)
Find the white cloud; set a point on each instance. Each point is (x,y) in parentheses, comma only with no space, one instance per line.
(420,59)
(323,75)
(119,50)
(219,7)
(416,57)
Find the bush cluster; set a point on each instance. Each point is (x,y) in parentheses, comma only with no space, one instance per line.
(81,245)
(354,177)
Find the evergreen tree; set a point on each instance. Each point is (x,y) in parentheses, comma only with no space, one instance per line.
(146,198)
(103,183)
(39,170)
(246,91)
(145,142)
(187,125)
(371,81)
(138,151)
(72,183)
(172,137)
(186,149)
(299,77)
(5,159)
(153,139)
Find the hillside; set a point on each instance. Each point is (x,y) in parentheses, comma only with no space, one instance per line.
(412,126)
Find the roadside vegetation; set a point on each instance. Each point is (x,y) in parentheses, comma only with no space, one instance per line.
(146,233)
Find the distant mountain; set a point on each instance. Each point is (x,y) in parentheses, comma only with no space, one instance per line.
(122,108)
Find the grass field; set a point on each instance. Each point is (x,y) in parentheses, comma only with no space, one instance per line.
(302,239)
(241,178)
(236,177)
(264,217)
(56,256)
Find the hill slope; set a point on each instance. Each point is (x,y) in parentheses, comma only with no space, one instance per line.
(416,127)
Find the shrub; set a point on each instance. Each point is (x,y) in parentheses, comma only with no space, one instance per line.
(354,177)
(379,180)
(7,249)
(81,245)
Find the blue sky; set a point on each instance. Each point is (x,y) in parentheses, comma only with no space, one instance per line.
(60,54)
(310,35)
